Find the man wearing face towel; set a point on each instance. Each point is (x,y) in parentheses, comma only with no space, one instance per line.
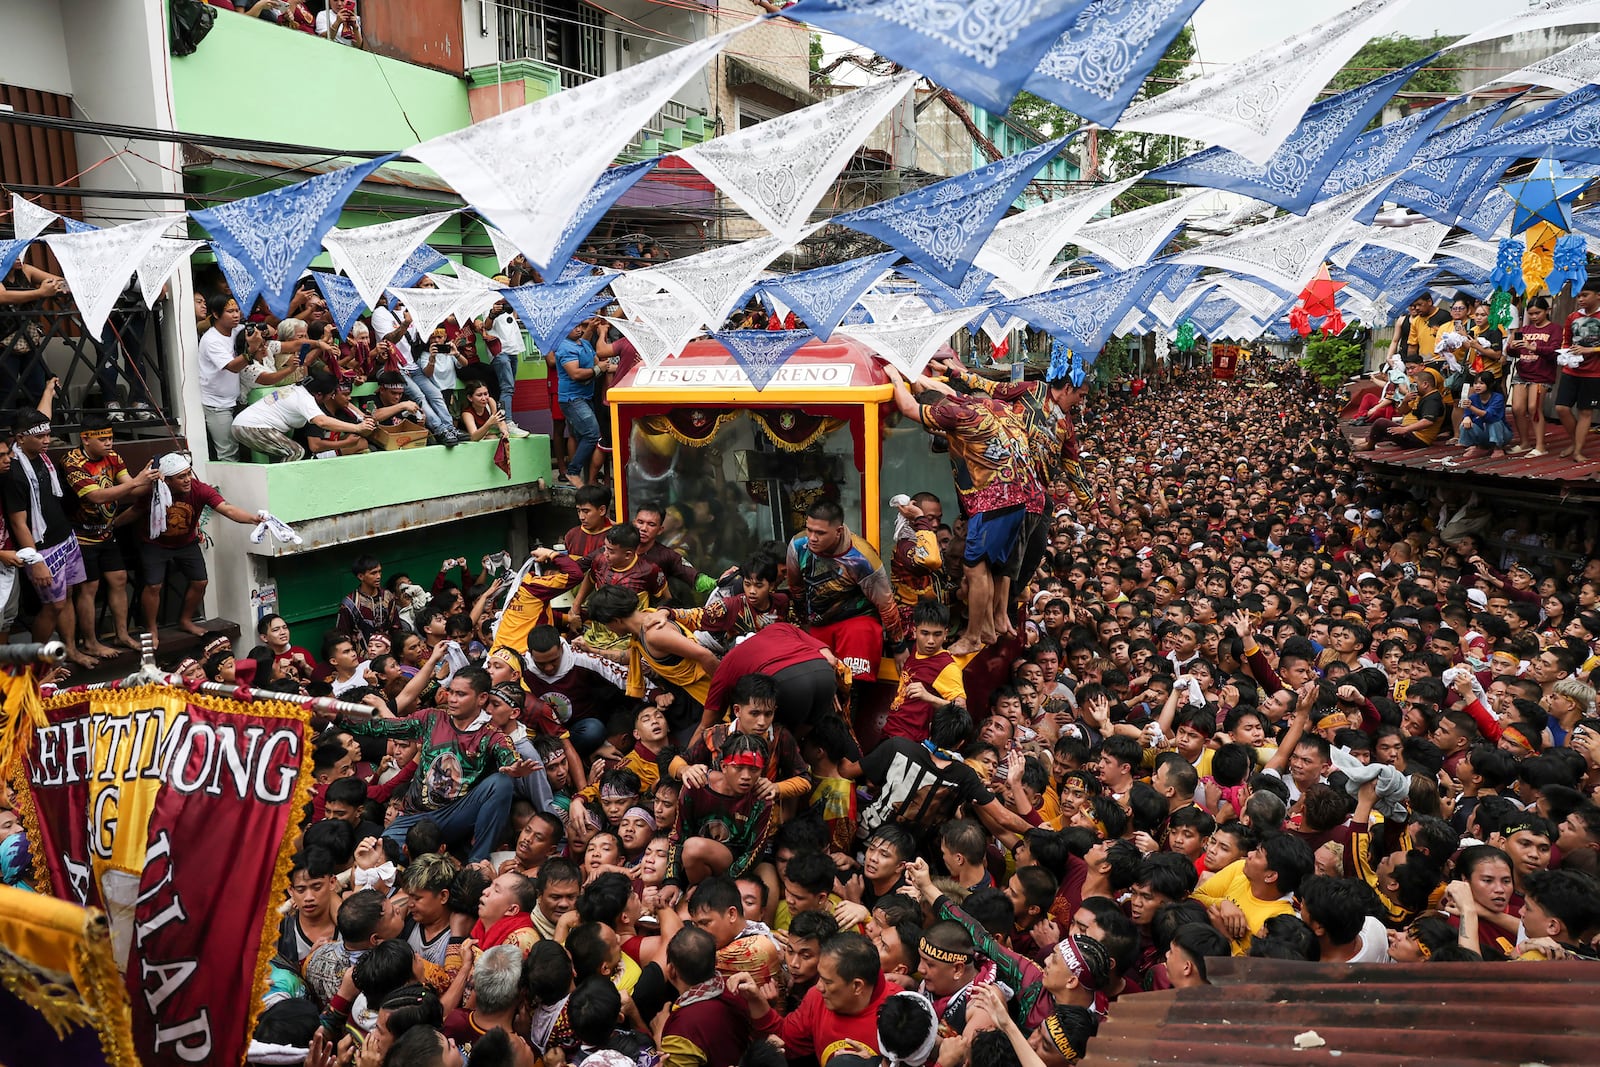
(35,503)
(171,538)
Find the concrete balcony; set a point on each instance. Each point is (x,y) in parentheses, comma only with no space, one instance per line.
(412,507)
(335,501)
(235,84)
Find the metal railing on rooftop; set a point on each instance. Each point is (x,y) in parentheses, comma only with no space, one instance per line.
(127,365)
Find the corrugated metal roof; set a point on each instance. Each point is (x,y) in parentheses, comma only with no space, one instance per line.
(1444,458)
(1369,1015)
(290,164)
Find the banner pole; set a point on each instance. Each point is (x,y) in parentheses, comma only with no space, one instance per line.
(149,674)
(50,652)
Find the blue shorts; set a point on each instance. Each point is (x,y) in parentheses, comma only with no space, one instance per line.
(994,537)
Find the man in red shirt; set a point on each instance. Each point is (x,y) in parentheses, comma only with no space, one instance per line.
(594,519)
(931,678)
(170,537)
(620,561)
(802,666)
(842,1006)
(1578,394)
(706,1025)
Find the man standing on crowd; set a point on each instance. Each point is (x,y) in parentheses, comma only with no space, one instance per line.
(103,485)
(171,538)
(999,490)
(842,592)
(219,374)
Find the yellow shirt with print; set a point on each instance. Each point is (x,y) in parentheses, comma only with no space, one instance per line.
(1230,884)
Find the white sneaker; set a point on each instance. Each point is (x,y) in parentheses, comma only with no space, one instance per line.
(516,431)
(143,412)
(114,412)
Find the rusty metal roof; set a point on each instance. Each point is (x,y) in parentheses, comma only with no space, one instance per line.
(1369,1015)
(1491,472)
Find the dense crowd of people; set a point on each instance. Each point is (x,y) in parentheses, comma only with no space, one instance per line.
(1123,703)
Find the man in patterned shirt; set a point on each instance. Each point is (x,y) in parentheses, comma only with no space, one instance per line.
(1047,409)
(370,609)
(842,592)
(103,485)
(464,770)
(999,489)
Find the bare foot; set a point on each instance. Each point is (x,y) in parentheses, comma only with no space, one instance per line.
(81,659)
(128,642)
(95,648)
(965,646)
(188,627)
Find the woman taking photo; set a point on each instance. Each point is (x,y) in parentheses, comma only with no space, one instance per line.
(482,415)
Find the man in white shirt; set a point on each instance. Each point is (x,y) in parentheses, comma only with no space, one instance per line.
(349,669)
(508,331)
(265,426)
(394,325)
(219,374)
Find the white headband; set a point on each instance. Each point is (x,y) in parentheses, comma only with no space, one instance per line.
(925,1050)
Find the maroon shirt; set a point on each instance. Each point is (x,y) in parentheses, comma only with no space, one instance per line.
(183,516)
(767,652)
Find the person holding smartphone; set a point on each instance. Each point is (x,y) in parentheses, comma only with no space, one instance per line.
(578,366)
(1533,346)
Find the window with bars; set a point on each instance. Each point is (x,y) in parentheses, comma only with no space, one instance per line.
(566,34)
(126,366)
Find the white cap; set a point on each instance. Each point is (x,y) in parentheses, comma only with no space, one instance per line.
(1478,598)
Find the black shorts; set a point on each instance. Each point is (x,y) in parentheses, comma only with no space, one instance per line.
(101,558)
(154,561)
(1579,394)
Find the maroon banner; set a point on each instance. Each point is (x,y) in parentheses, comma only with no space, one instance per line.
(176,807)
(215,866)
(1224,360)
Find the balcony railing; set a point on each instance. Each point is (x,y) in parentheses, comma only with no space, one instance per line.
(128,365)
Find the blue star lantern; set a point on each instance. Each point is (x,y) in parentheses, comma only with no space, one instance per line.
(1545,195)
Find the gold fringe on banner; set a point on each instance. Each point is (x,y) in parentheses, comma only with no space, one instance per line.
(56,957)
(656,425)
(22,804)
(20,714)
